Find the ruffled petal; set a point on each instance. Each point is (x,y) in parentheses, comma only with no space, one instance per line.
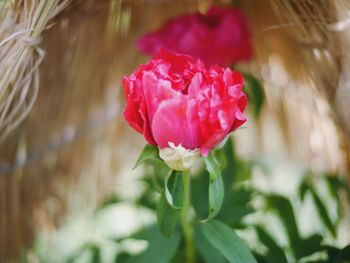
(174,121)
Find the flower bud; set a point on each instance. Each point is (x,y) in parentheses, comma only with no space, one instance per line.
(175,98)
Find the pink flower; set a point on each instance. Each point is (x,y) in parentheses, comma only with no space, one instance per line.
(176,99)
(221,36)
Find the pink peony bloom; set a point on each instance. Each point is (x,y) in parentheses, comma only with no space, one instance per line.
(221,36)
(176,99)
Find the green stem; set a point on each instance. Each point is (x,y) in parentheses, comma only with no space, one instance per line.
(186,224)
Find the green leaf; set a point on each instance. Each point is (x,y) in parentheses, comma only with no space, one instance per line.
(174,191)
(310,245)
(212,165)
(303,189)
(260,258)
(216,196)
(285,212)
(160,249)
(122,257)
(95,254)
(91,248)
(170,203)
(199,197)
(224,239)
(345,253)
(216,185)
(230,170)
(209,253)
(236,202)
(167,216)
(338,184)
(255,93)
(335,191)
(275,253)
(235,205)
(333,255)
(336,255)
(245,171)
(108,201)
(149,152)
(323,212)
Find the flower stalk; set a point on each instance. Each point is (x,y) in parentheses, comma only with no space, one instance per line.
(187,226)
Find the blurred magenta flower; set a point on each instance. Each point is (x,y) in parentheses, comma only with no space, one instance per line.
(221,36)
(176,100)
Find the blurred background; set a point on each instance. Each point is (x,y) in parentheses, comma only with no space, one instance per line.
(67,191)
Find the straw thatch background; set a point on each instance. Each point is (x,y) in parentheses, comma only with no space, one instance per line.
(69,151)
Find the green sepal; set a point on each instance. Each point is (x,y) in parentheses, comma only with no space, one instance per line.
(149,152)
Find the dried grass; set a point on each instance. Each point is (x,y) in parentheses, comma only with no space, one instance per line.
(321,30)
(21,27)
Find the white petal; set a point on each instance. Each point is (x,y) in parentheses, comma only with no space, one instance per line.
(179,158)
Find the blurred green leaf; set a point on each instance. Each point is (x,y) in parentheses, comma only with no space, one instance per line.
(336,255)
(209,253)
(149,152)
(170,203)
(235,170)
(244,172)
(303,189)
(122,257)
(307,187)
(235,205)
(300,247)
(335,191)
(333,254)
(167,216)
(160,249)
(148,198)
(224,239)
(200,198)
(260,258)
(335,186)
(96,254)
(321,209)
(345,254)
(310,245)
(230,166)
(109,200)
(275,253)
(255,93)
(283,208)
(93,249)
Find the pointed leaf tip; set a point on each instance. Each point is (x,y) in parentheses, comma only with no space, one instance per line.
(149,152)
